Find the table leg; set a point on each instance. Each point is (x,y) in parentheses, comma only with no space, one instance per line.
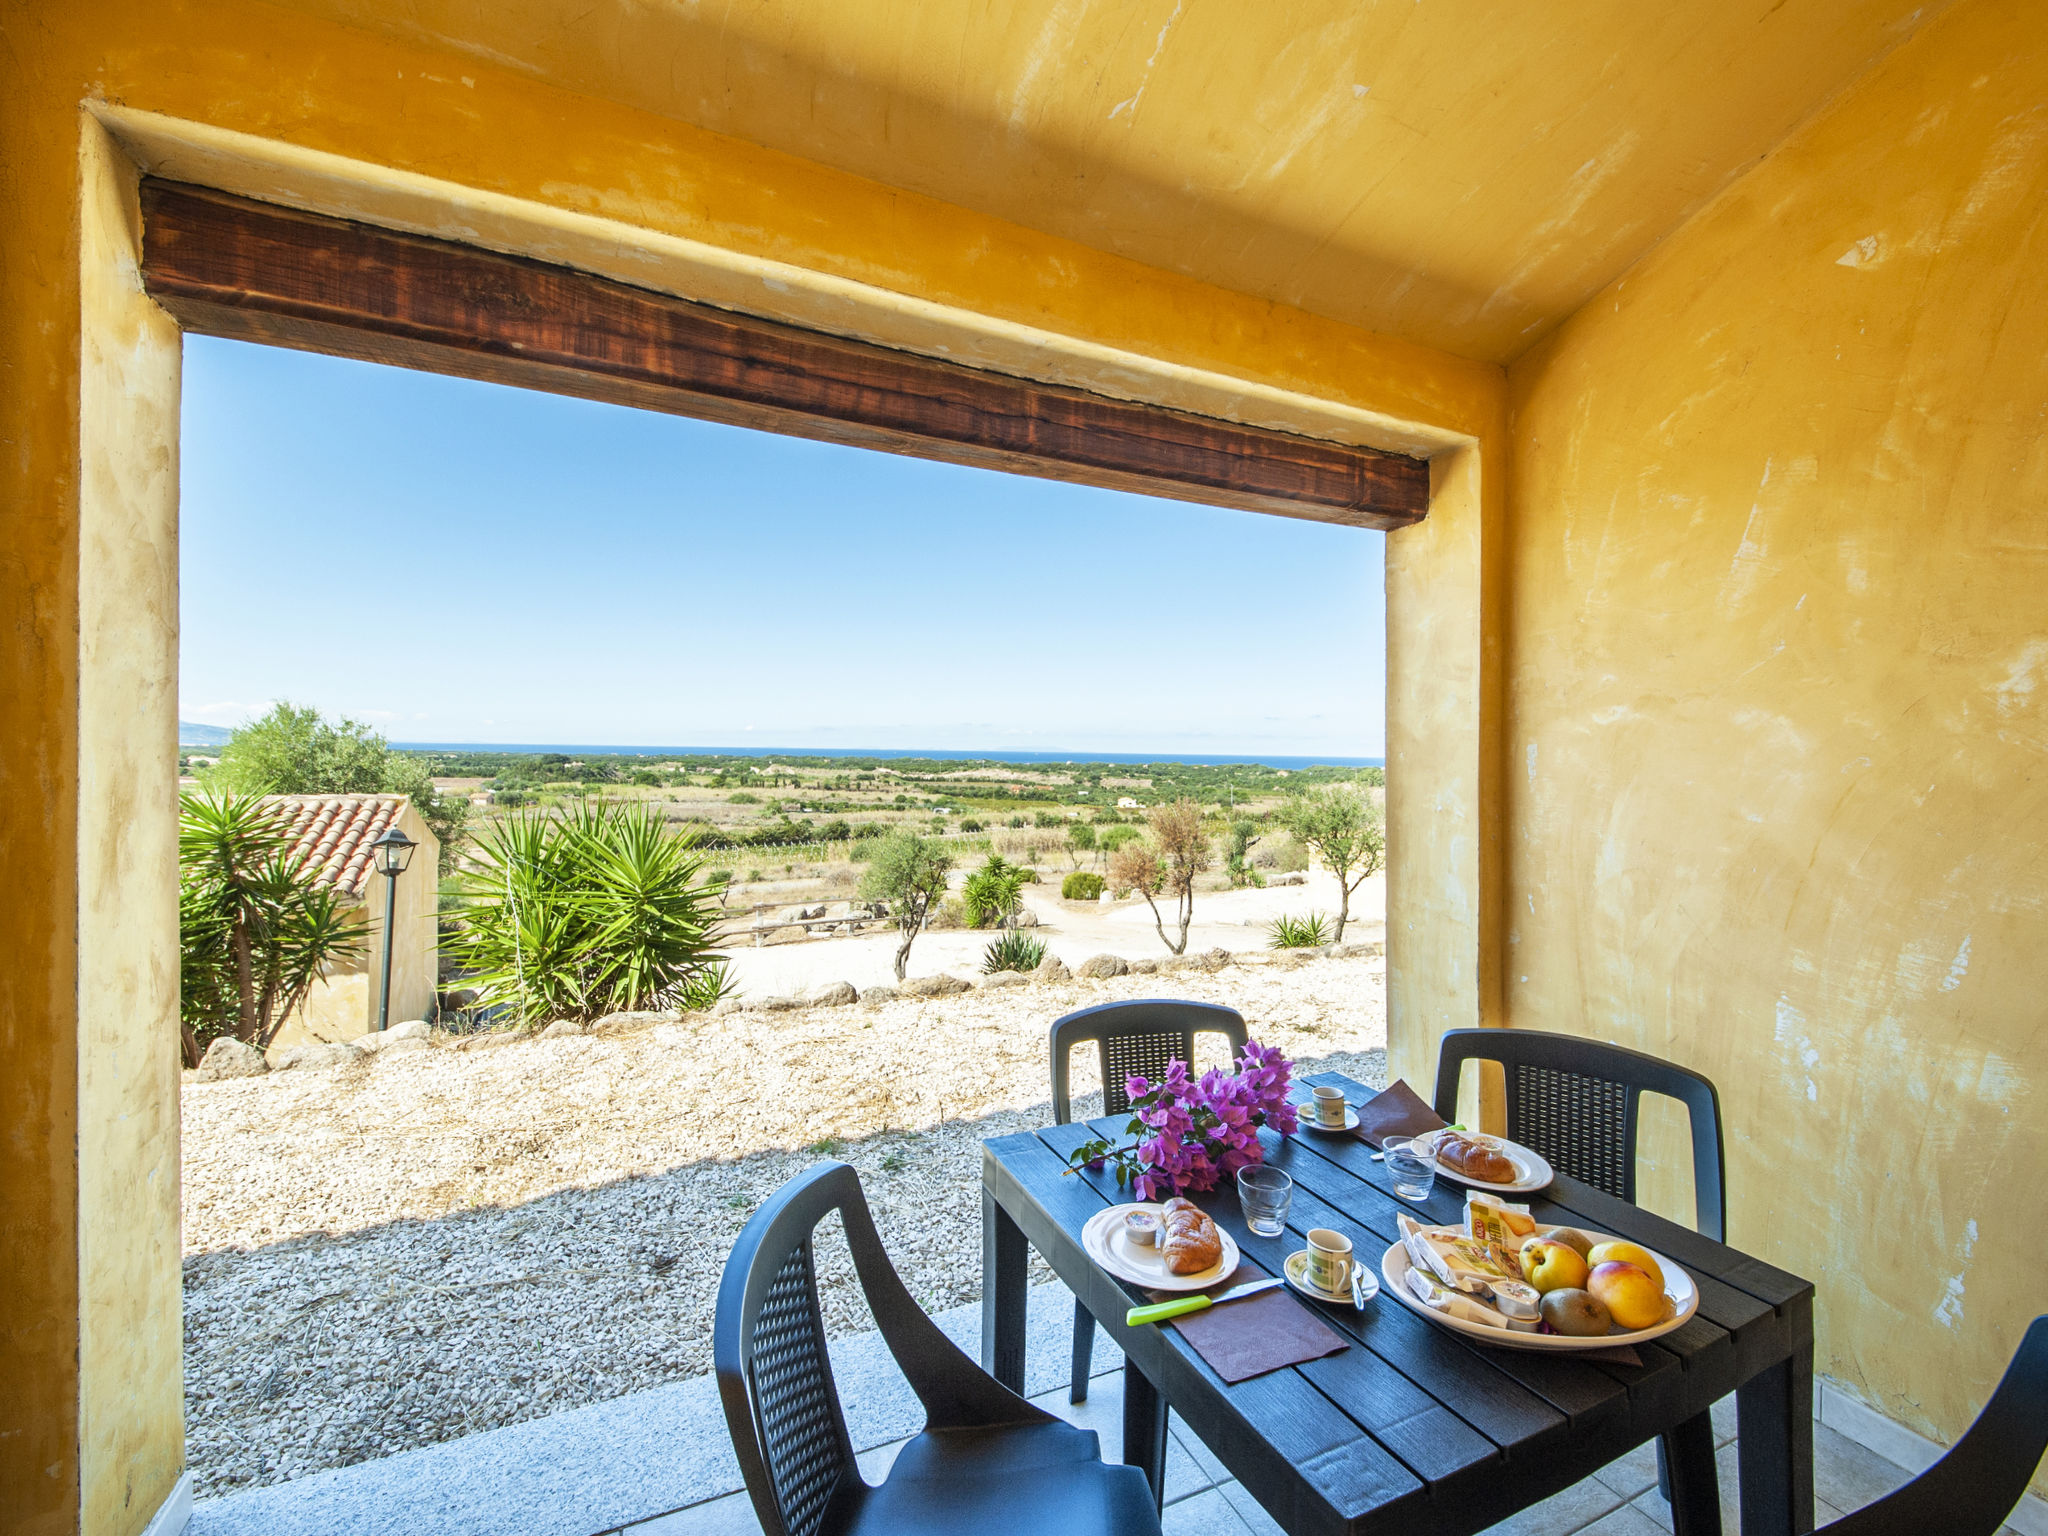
(1003,1294)
(1687,1478)
(1774,1430)
(1145,1428)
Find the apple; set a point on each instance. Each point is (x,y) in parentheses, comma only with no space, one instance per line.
(1552,1266)
(1628,1293)
(1628,1253)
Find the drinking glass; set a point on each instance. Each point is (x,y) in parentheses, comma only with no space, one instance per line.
(1414,1174)
(1265,1193)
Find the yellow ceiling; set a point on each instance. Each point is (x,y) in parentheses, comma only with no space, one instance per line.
(1463,173)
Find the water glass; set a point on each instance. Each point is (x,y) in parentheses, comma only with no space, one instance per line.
(1265,1193)
(1414,1173)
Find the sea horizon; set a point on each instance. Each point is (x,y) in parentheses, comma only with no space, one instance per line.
(933,754)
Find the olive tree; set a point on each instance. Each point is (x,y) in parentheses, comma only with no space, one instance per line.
(908,872)
(1167,865)
(1342,826)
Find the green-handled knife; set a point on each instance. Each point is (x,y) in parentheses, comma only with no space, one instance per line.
(1180,1306)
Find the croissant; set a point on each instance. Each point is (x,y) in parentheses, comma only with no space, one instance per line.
(1475,1159)
(1188,1238)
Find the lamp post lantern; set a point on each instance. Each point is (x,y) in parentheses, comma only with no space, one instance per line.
(394,852)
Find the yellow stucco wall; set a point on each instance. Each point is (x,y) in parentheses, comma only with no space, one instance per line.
(1777,688)
(89,1426)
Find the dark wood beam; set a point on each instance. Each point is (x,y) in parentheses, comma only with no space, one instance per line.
(228,266)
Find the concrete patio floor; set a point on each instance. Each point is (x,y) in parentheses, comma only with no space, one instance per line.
(659,1464)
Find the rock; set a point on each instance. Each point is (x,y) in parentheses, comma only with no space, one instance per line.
(1102,967)
(1291,878)
(726,1007)
(634,1020)
(940,985)
(317,1057)
(779,1004)
(229,1057)
(388,1044)
(878,995)
(838,995)
(1003,979)
(1144,967)
(561,1029)
(1052,968)
(1211,960)
(1023,917)
(411,1029)
(1354,951)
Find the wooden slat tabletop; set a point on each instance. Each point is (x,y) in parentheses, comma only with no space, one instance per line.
(1412,1428)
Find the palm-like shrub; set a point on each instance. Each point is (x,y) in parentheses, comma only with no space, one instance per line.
(1016,950)
(991,892)
(605,910)
(255,931)
(1310,932)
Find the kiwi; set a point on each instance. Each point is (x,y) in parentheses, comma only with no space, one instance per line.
(1571,1237)
(1575,1313)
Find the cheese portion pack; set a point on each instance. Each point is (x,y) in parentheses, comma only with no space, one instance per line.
(1451,1273)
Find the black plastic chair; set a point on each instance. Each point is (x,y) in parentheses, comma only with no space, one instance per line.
(1578,1103)
(1138,1037)
(987,1459)
(1973,1488)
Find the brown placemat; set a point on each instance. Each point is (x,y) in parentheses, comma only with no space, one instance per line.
(1395,1111)
(1259,1334)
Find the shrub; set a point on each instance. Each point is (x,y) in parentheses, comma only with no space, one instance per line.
(1307,932)
(754,874)
(1081,886)
(1047,819)
(1115,836)
(1016,950)
(869,829)
(835,831)
(743,798)
(602,910)
(1016,822)
(990,895)
(970,825)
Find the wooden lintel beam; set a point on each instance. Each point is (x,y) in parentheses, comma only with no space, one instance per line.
(229,266)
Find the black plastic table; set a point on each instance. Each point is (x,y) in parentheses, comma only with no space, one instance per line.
(1415,1429)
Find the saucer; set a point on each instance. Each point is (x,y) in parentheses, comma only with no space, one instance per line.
(1296,1270)
(1306,1118)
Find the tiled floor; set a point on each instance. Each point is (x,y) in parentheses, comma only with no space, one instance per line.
(1203,1500)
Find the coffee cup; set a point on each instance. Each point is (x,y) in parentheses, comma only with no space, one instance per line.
(1330,1106)
(1329,1260)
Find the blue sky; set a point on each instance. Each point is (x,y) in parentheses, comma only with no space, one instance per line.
(455,561)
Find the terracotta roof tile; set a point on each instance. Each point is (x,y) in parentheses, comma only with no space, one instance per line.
(333,833)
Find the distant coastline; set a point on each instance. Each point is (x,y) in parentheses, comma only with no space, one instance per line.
(927,754)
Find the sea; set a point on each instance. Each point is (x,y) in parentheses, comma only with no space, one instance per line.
(935,754)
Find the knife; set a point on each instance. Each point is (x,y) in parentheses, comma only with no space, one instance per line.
(1180,1306)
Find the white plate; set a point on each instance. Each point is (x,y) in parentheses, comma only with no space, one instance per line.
(1296,1270)
(1306,1118)
(1681,1298)
(1533,1171)
(1141,1263)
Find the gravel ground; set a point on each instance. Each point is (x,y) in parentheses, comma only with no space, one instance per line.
(419,1246)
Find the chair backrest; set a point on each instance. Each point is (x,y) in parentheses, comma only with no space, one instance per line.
(775,1376)
(1139,1037)
(1578,1102)
(1972,1489)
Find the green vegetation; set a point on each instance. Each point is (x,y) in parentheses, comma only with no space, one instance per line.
(991,892)
(599,911)
(293,751)
(742,798)
(908,872)
(255,932)
(1081,885)
(1109,839)
(1237,847)
(1308,932)
(1342,826)
(1016,950)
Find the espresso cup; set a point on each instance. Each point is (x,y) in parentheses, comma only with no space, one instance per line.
(1330,1106)
(1329,1260)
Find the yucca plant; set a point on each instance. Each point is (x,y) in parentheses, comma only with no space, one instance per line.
(1310,932)
(255,931)
(992,891)
(1016,950)
(604,910)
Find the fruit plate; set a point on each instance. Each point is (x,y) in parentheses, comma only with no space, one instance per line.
(1532,1169)
(1104,1241)
(1681,1300)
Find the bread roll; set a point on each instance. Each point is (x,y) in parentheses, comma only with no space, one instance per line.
(1473,1158)
(1188,1239)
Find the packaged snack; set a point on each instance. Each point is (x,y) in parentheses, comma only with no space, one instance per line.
(1492,1220)
(1438,1297)
(1453,1257)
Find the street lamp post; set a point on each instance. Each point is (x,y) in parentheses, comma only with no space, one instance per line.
(394,852)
